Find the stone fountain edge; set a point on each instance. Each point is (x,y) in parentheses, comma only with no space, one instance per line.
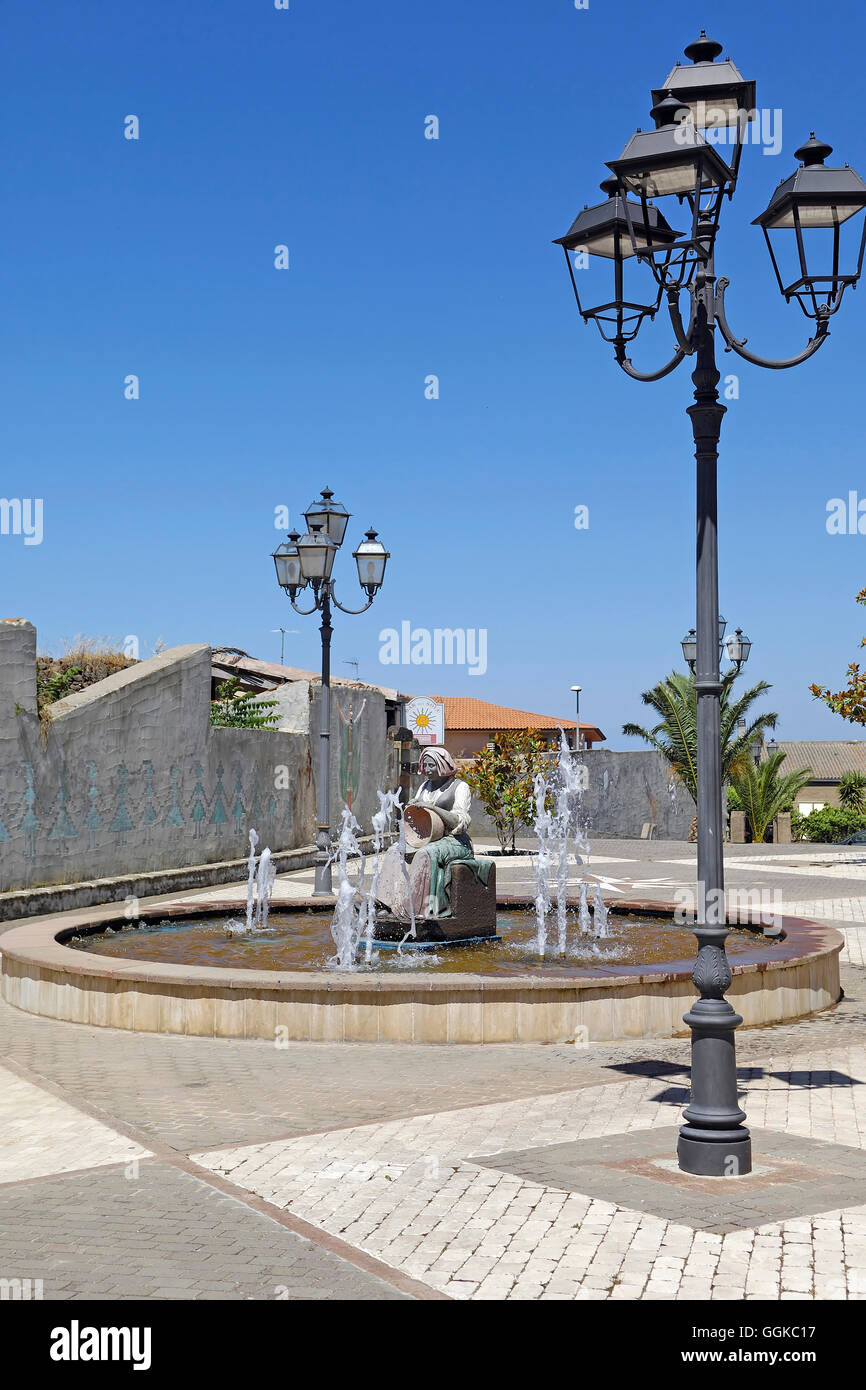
(779,981)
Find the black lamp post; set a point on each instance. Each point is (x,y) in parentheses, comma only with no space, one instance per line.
(307,561)
(675,159)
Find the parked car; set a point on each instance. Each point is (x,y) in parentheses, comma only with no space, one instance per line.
(858,838)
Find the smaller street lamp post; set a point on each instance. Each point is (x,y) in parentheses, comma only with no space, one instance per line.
(578,738)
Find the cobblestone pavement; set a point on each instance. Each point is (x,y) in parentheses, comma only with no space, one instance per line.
(419,1194)
(157,1232)
(166,1167)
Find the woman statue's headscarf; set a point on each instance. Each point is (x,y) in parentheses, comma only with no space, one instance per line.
(443,761)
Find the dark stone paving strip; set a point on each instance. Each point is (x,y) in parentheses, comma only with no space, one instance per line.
(796,1177)
(169,1157)
(166,1234)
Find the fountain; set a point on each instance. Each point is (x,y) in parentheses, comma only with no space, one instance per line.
(557,824)
(260,886)
(383,825)
(343,971)
(583,916)
(347,920)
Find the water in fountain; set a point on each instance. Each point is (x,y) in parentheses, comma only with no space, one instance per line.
(265,880)
(557,828)
(389,804)
(544,831)
(260,885)
(599,914)
(251,878)
(401,841)
(347,920)
(568,800)
(583,917)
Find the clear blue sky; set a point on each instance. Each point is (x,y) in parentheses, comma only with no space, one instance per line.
(409,257)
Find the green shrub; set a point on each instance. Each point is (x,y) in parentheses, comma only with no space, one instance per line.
(852,791)
(828,826)
(240,709)
(83,662)
(53,685)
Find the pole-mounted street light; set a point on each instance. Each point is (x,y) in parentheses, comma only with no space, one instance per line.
(737,646)
(813,205)
(578,740)
(306,562)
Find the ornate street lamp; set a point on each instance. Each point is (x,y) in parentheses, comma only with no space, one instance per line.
(738,648)
(371,558)
(307,562)
(815,198)
(739,644)
(676,160)
(328,516)
(288,565)
(689,645)
(614,230)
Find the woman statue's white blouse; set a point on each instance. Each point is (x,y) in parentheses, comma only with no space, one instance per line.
(430,796)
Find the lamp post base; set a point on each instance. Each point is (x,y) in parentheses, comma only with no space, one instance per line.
(715,1156)
(714,1142)
(322,888)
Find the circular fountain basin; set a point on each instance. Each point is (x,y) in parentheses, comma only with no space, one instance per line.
(302,941)
(496,992)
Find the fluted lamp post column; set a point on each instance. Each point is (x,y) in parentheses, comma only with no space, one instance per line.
(675,160)
(306,562)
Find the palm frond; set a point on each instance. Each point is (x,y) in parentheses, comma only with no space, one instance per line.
(675,701)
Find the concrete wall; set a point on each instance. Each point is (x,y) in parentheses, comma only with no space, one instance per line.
(625,791)
(628,789)
(357,771)
(129,776)
(366,768)
(817,794)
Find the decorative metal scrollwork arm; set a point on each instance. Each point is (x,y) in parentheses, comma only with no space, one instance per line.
(738,345)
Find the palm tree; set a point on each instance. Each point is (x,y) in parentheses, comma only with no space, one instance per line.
(675,736)
(852,791)
(763,793)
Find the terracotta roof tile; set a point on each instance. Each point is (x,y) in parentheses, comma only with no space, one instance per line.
(463,712)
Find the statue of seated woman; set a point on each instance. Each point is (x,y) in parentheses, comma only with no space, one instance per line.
(437,834)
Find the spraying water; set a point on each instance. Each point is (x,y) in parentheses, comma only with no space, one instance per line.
(251,878)
(347,921)
(401,841)
(260,886)
(583,918)
(544,831)
(265,880)
(557,825)
(568,827)
(599,913)
(389,805)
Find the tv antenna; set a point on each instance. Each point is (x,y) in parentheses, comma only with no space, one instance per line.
(292,631)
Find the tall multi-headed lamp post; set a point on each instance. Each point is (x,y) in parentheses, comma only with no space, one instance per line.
(812,205)
(306,562)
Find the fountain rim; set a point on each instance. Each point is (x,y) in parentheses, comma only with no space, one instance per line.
(42,942)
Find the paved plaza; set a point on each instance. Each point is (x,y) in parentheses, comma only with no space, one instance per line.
(148,1166)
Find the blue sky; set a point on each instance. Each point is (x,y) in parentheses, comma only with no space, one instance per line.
(408,257)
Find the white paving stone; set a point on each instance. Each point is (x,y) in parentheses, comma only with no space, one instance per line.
(40,1135)
(474,1233)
